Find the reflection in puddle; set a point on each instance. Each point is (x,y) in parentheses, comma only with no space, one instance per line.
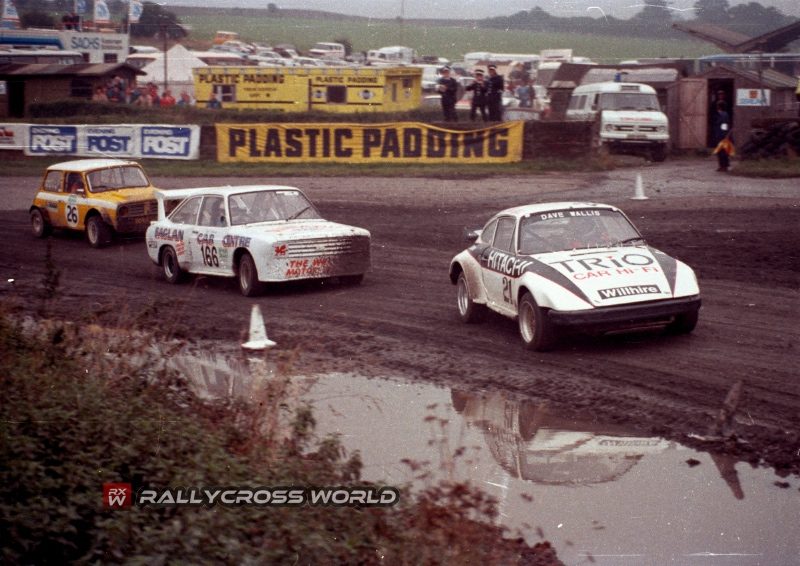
(601,493)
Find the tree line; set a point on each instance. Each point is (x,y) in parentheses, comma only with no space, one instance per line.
(654,20)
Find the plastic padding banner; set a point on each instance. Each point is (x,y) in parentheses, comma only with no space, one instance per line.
(405,142)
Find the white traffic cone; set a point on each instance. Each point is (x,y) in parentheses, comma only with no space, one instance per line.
(257,339)
(639,192)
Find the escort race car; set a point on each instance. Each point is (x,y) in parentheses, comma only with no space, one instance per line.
(99,196)
(258,234)
(565,266)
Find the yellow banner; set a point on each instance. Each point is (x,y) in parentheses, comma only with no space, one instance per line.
(404,142)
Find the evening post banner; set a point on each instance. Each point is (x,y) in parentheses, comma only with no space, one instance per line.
(405,142)
(153,141)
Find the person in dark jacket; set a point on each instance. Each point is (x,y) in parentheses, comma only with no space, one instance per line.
(478,88)
(448,89)
(722,132)
(494,94)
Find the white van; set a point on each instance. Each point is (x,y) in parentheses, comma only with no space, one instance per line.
(628,117)
(327,50)
(392,55)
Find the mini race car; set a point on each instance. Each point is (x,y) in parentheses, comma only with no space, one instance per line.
(257,234)
(568,266)
(99,196)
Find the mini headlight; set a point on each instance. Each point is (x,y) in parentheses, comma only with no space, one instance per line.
(122,211)
(609,127)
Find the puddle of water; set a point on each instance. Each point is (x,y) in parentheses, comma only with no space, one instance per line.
(593,490)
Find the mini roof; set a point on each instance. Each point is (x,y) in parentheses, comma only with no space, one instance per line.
(89,164)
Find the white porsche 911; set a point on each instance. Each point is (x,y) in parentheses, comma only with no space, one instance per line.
(571,266)
(257,234)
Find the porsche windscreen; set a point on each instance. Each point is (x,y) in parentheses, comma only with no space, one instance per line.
(270,206)
(560,230)
(115,178)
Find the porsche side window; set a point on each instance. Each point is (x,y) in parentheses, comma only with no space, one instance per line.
(488,233)
(504,236)
(52,182)
(186,213)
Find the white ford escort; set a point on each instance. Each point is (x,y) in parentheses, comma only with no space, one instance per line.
(571,265)
(257,234)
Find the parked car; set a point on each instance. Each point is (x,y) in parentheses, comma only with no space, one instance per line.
(564,266)
(100,197)
(258,234)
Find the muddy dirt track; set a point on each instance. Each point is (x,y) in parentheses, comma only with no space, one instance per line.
(742,236)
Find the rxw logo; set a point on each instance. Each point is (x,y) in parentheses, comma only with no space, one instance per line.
(117,495)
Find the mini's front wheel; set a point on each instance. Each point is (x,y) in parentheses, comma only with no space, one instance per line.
(98,232)
(535,330)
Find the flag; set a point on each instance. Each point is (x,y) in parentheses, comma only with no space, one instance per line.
(725,145)
(10,12)
(134,12)
(101,13)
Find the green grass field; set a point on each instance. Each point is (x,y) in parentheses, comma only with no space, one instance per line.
(451,42)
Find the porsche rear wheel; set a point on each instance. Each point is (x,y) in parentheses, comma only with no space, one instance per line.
(535,330)
(468,310)
(169,263)
(247,275)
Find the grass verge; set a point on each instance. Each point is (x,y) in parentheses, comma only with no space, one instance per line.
(785,168)
(35,166)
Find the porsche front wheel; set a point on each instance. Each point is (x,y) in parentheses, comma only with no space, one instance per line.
(535,330)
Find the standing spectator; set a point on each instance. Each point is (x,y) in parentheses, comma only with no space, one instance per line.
(494,95)
(478,89)
(524,93)
(152,90)
(722,137)
(185,99)
(213,102)
(135,96)
(448,88)
(167,100)
(99,95)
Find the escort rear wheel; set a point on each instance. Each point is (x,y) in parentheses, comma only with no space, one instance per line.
(535,330)
(169,264)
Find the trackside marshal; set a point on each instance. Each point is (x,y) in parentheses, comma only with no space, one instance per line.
(407,142)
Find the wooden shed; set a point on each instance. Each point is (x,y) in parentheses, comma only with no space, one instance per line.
(748,96)
(29,84)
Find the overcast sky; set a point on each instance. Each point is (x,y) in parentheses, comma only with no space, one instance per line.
(466,9)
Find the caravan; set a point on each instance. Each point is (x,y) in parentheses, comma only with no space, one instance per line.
(628,117)
(393,55)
